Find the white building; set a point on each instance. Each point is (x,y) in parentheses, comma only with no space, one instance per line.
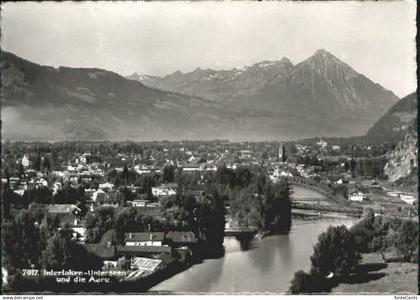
(164,190)
(106,186)
(144,238)
(139,203)
(191,168)
(25,161)
(356,196)
(407,198)
(322,144)
(83,157)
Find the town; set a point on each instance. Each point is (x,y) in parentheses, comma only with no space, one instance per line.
(149,207)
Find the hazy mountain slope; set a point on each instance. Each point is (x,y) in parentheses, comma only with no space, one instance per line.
(41,102)
(319,87)
(395,123)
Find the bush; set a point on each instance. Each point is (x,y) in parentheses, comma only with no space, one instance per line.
(336,252)
(304,283)
(300,283)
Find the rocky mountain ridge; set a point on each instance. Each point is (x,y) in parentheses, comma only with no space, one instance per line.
(402,161)
(321,85)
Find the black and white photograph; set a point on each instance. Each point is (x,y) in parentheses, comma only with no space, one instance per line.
(209,147)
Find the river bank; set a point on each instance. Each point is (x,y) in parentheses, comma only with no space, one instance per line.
(376,277)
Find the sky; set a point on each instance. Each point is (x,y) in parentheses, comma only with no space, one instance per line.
(376,38)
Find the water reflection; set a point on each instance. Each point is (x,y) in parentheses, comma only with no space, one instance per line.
(284,251)
(246,242)
(263,259)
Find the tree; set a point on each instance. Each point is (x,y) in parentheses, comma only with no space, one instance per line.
(336,252)
(125,221)
(125,174)
(407,240)
(46,164)
(99,223)
(211,220)
(247,209)
(277,207)
(57,254)
(36,162)
(10,246)
(21,241)
(21,170)
(380,229)
(6,199)
(364,232)
(301,283)
(168,174)
(123,263)
(243,176)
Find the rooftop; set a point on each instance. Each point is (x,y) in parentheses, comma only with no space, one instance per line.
(144,236)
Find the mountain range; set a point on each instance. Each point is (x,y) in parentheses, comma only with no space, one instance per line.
(319,87)
(321,96)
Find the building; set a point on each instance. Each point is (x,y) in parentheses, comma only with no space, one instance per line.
(191,168)
(181,238)
(106,186)
(63,209)
(25,161)
(246,154)
(165,190)
(282,154)
(322,144)
(336,148)
(144,238)
(149,210)
(139,203)
(57,186)
(143,251)
(113,199)
(355,195)
(407,198)
(84,157)
(146,264)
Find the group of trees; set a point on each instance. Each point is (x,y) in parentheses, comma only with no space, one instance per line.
(373,167)
(338,250)
(388,236)
(41,195)
(255,201)
(203,214)
(33,238)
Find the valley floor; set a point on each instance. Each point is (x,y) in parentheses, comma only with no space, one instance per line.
(380,278)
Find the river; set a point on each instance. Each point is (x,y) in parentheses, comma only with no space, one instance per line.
(301,192)
(267,265)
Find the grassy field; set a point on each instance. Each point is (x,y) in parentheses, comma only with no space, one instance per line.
(375,277)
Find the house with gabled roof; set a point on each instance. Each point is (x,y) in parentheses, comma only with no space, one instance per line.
(180,238)
(144,238)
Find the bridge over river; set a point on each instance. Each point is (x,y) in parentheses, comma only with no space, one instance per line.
(310,202)
(232,228)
